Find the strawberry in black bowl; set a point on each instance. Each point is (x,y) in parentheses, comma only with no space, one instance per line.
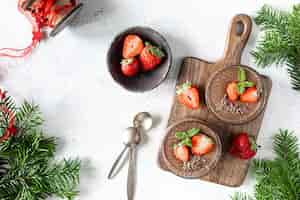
(139,59)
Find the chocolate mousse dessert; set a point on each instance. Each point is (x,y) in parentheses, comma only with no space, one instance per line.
(191,149)
(236,94)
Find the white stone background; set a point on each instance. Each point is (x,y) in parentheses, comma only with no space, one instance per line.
(67,76)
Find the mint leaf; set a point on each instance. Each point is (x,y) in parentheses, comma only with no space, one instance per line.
(241,88)
(183,87)
(248,84)
(180,135)
(193,131)
(241,75)
(187,142)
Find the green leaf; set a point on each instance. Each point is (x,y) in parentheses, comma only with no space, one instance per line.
(31,172)
(280,41)
(2,131)
(241,196)
(183,87)
(241,88)
(28,116)
(241,75)
(180,135)
(187,141)
(248,84)
(193,131)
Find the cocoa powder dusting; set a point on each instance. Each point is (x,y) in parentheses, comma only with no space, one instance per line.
(232,107)
(194,163)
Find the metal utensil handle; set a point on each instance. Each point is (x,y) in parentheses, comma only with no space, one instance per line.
(131,173)
(111,172)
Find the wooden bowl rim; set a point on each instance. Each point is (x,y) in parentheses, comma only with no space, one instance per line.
(252,116)
(200,172)
(168,51)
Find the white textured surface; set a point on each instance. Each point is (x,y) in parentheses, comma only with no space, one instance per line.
(67,77)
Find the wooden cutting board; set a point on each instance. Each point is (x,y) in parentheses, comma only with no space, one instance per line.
(229,171)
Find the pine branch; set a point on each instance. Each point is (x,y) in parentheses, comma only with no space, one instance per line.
(28,170)
(280,43)
(271,49)
(294,71)
(241,196)
(63,178)
(285,146)
(28,116)
(269,18)
(6,104)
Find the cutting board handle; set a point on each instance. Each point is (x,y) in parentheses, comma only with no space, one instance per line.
(239,32)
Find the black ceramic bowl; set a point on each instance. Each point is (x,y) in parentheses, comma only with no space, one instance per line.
(144,81)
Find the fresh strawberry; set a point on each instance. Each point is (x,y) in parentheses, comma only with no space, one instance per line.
(150,57)
(130,67)
(241,142)
(182,153)
(232,91)
(248,154)
(202,144)
(250,95)
(188,95)
(243,146)
(133,46)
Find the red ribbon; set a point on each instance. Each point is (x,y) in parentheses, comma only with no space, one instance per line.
(44,13)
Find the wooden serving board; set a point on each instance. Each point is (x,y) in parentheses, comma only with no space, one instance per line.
(230,171)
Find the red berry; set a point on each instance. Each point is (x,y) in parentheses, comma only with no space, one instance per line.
(202,144)
(232,91)
(133,46)
(188,95)
(247,154)
(250,95)
(130,67)
(150,57)
(241,142)
(181,152)
(243,146)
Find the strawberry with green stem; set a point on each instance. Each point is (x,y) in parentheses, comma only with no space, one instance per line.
(150,57)
(130,67)
(243,146)
(181,150)
(198,143)
(188,95)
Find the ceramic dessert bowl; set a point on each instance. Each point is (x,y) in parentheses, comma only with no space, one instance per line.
(143,81)
(236,112)
(197,166)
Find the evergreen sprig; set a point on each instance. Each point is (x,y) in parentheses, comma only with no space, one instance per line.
(241,196)
(278,179)
(280,43)
(27,165)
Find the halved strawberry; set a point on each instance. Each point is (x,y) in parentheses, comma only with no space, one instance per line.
(181,152)
(232,91)
(133,46)
(188,95)
(150,57)
(250,95)
(202,144)
(130,67)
